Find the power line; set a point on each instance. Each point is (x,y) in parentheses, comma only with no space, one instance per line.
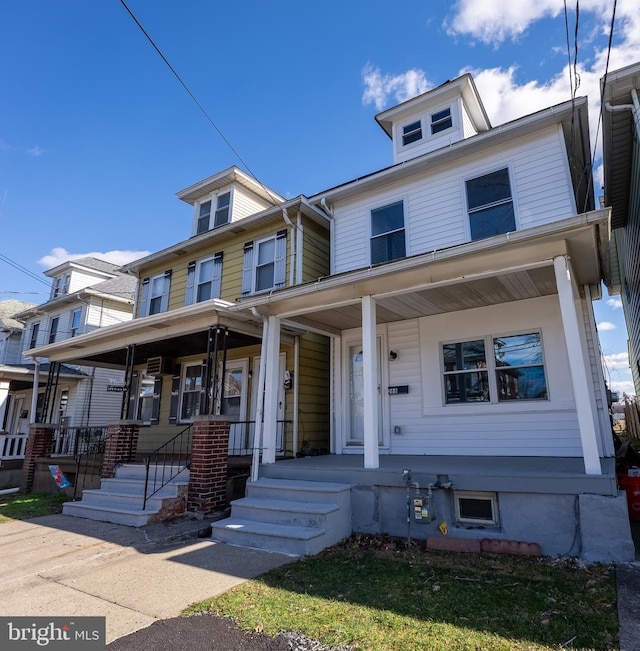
(15,265)
(193,97)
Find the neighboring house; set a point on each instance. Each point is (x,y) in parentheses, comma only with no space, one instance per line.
(187,354)
(466,395)
(86,294)
(621,154)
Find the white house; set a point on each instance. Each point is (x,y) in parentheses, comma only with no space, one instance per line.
(465,359)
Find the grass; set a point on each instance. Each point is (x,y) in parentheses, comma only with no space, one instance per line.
(376,596)
(20,506)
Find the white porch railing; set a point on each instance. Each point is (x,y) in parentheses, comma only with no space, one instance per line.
(12,446)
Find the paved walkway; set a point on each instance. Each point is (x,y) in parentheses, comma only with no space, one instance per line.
(59,566)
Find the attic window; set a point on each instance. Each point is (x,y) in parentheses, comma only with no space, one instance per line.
(411,133)
(203,217)
(441,121)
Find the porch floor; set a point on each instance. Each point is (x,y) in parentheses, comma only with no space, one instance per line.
(553,475)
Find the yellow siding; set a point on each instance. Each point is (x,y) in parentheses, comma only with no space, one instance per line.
(315,252)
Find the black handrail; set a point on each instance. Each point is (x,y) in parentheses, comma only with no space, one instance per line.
(90,453)
(176,452)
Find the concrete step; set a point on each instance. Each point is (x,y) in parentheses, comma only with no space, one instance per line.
(310,514)
(281,538)
(299,490)
(136,487)
(128,517)
(131,501)
(138,471)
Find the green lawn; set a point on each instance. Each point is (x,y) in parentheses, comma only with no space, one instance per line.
(18,506)
(373,598)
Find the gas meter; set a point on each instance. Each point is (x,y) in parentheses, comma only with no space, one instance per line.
(423,507)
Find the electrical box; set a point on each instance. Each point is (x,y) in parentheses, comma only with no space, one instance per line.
(423,508)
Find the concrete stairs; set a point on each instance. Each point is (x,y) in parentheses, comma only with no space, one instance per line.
(298,518)
(119,499)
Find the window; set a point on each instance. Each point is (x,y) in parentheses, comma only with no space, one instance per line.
(35,329)
(490,205)
(204,279)
(155,294)
(60,286)
(53,330)
(441,121)
(264,265)
(75,322)
(411,133)
(515,370)
(476,508)
(191,390)
(149,399)
(387,233)
(221,212)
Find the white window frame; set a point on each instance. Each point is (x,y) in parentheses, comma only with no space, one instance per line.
(250,264)
(155,287)
(491,370)
(215,212)
(34,335)
(492,498)
(512,199)
(386,204)
(194,270)
(436,123)
(75,327)
(183,391)
(54,325)
(416,131)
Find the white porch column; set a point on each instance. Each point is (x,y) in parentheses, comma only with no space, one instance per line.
(34,392)
(257,435)
(272,383)
(370,370)
(4,399)
(578,365)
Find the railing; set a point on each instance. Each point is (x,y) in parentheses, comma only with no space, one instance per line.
(12,446)
(70,441)
(166,462)
(89,445)
(242,437)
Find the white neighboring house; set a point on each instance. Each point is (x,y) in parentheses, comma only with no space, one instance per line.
(86,294)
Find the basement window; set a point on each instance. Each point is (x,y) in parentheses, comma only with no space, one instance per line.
(476,508)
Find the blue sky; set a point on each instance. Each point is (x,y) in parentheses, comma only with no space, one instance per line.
(97,135)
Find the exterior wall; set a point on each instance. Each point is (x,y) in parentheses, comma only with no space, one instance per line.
(315,251)
(81,279)
(244,204)
(101,313)
(435,204)
(94,405)
(515,428)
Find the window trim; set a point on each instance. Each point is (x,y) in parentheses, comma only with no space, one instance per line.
(35,332)
(486,172)
(477,495)
(250,265)
(54,324)
(387,204)
(193,275)
(491,369)
(146,296)
(414,135)
(441,120)
(74,329)
(183,375)
(214,212)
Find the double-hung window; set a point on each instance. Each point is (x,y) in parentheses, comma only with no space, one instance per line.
(490,205)
(35,329)
(191,391)
(494,369)
(387,233)
(219,207)
(264,264)
(155,294)
(53,329)
(75,322)
(204,279)
(411,133)
(441,121)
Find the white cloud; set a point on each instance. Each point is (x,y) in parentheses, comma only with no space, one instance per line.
(617,361)
(35,151)
(378,87)
(59,255)
(606,325)
(615,303)
(623,386)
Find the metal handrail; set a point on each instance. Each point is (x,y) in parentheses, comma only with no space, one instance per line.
(91,452)
(165,456)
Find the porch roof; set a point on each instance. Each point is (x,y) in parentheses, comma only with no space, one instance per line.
(500,269)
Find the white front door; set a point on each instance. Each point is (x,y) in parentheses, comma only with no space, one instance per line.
(13,423)
(233,404)
(281,406)
(354,413)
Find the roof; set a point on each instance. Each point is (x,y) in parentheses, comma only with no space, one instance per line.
(8,309)
(122,286)
(88,262)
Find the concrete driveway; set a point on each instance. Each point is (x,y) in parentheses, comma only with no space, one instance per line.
(59,565)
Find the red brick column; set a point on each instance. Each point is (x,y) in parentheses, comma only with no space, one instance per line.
(39,444)
(208,470)
(120,447)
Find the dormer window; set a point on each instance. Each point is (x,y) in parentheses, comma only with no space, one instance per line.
(60,286)
(441,121)
(221,212)
(411,133)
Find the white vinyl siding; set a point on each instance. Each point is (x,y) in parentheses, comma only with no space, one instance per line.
(100,314)
(435,211)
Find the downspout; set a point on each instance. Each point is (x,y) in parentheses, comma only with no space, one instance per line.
(299,249)
(257,436)
(296,391)
(634,108)
(34,393)
(292,261)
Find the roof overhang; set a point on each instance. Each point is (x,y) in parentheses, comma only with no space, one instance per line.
(505,268)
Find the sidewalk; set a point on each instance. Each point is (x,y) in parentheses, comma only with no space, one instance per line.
(59,565)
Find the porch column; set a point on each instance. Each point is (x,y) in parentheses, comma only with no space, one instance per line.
(4,400)
(578,365)
(39,444)
(209,461)
(370,371)
(272,381)
(120,446)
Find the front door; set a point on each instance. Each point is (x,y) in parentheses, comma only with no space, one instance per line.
(233,405)
(15,408)
(354,416)
(280,442)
